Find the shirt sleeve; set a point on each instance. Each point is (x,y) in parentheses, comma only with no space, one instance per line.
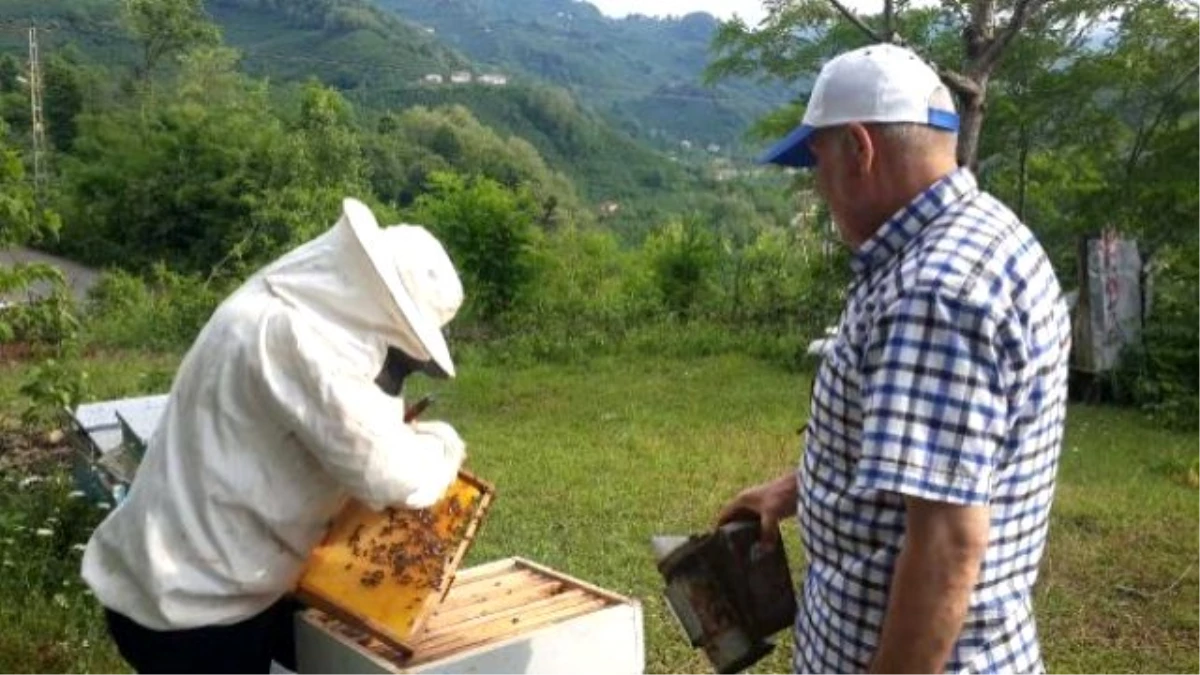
(934,404)
(355,430)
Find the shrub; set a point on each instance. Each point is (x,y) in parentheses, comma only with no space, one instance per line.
(165,312)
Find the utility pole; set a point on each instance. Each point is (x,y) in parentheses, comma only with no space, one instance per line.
(35,104)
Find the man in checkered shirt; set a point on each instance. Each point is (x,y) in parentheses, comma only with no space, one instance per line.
(924,492)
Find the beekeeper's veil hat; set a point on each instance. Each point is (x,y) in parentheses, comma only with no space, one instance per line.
(417,275)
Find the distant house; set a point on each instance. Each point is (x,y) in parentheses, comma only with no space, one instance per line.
(609,208)
(461,77)
(494,79)
(685,144)
(433,78)
(714,148)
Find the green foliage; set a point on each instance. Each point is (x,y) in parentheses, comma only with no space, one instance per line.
(1105,135)
(640,72)
(164,312)
(330,145)
(489,233)
(49,621)
(210,180)
(411,145)
(787,47)
(348,44)
(63,100)
(1163,374)
(1152,69)
(684,256)
(40,313)
(378,66)
(43,317)
(10,70)
(791,279)
(52,386)
(21,220)
(605,163)
(167,29)
(46,320)
(589,286)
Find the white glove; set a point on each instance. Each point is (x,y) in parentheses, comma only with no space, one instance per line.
(452,443)
(434,484)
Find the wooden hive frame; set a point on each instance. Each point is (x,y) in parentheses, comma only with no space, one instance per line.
(313,595)
(502,600)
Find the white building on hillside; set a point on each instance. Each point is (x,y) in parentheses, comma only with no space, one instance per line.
(461,77)
(494,79)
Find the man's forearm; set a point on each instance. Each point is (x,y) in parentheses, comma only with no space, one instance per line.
(930,593)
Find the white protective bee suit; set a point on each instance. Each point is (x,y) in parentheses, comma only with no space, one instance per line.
(273,419)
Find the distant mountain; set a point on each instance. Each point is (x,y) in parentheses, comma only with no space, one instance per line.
(348,44)
(379,61)
(643,72)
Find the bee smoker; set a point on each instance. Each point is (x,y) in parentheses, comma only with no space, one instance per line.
(729,592)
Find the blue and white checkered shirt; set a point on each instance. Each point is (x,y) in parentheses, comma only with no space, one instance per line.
(947,381)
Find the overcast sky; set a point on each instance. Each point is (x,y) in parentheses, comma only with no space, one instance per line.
(750,10)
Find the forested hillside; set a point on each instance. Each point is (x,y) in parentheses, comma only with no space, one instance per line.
(644,72)
(173,148)
(378,61)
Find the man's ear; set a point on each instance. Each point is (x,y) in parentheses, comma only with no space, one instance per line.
(861,148)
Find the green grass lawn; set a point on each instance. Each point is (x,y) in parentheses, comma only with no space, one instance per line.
(589,461)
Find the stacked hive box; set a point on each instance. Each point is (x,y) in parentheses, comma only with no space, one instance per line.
(511,616)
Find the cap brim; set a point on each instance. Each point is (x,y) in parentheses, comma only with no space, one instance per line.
(793,150)
(367,233)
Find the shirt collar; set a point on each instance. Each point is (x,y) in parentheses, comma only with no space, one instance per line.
(904,225)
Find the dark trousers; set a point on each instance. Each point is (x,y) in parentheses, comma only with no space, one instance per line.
(245,647)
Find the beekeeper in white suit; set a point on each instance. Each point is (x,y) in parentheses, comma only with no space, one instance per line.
(273,419)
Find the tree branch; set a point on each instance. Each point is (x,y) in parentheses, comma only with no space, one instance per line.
(996,46)
(958,83)
(859,23)
(1144,133)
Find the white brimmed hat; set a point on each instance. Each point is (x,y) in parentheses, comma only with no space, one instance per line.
(418,274)
(882,83)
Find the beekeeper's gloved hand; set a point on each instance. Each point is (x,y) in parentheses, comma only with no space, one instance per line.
(453,443)
(455,451)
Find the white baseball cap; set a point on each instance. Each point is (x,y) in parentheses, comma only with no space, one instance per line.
(882,83)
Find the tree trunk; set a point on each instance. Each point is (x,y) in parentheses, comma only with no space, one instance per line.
(984,47)
(1023,175)
(970,128)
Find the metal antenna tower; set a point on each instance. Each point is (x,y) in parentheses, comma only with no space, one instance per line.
(35,104)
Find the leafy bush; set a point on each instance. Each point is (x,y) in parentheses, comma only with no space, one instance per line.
(683,256)
(51,622)
(1163,374)
(489,233)
(52,386)
(165,312)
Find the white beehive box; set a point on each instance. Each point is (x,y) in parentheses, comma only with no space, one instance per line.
(510,616)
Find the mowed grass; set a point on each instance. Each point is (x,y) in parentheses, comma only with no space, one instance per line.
(590,460)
